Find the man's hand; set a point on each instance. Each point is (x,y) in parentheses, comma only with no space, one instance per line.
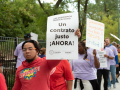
(77,32)
(117,65)
(105,55)
(94,52)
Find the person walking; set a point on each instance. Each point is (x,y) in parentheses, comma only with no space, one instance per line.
(83,69)
(117,68)
(113,63)
(105,71)
(18,51)
(61,77)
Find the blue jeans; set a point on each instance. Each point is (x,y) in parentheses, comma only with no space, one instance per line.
(113,73)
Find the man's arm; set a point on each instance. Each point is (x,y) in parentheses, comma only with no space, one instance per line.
(1,70)
(69,84)
(117,61)
(116,57)
(53,63)
(17,84)
(96,62)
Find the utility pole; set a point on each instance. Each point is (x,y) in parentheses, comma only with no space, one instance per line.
(118,19)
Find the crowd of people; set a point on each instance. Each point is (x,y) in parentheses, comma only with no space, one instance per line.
(34,72)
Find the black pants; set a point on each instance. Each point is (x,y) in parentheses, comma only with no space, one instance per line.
(94,84)
(105,73)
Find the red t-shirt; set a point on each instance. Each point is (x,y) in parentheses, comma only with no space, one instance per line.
(59,75)
(34,75)
(3,85)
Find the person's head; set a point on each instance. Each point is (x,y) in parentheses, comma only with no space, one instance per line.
(114,43)
(84,41)
(27,36)
(107,40)
(118,45)
(118,49)
(43,51)
(82,49)
(104,43)
(30,50)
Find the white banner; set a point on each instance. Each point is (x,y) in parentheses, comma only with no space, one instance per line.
(102,59)
(95,34)
(61,40)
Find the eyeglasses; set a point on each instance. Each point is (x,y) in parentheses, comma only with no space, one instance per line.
(30,49)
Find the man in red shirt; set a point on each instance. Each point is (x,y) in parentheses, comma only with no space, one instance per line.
(34,72)
(61,77)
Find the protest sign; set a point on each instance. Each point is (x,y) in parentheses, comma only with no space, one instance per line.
(61,40)
(95,34)
(102,59)
(34,36)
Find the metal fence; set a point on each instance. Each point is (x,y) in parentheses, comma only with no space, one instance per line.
(7,59)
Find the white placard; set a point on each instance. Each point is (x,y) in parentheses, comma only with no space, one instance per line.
(102,59)
(61,40)
(34,36)
(95,34)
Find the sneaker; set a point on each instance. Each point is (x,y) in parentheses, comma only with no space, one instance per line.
(114,85)
(109,88)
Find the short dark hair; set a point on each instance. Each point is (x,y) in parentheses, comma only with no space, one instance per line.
(83,44)
(27,35)
(34,43)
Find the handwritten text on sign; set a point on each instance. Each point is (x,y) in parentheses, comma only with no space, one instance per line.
(94,34)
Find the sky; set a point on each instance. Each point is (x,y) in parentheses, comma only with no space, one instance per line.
(71,8)
(92,1)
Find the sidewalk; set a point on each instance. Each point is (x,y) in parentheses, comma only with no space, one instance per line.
(117,85)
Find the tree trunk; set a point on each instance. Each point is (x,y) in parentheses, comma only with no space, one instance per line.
(56,6)
(43,7)
(84,19)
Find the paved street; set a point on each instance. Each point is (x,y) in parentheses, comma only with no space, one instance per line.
(117,85)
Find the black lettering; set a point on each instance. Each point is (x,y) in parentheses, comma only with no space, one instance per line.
(53,43)
(62,36)
(55,36)
(62,30)
(67,36)
(60,24)
(66,42)
(57,42)
(51,30)
(67,30)
(70,43)
(62,43)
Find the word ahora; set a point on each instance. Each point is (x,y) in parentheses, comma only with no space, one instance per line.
(62,43)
